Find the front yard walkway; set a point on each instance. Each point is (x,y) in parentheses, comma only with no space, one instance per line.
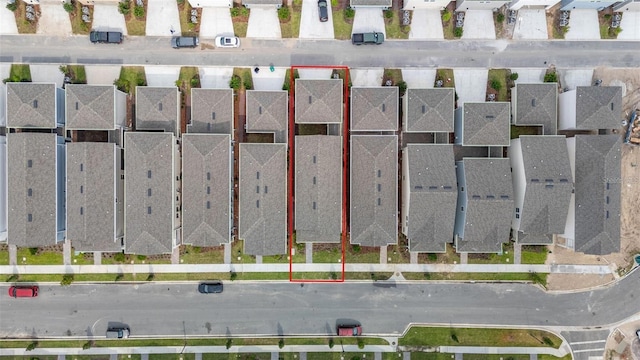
(162,17)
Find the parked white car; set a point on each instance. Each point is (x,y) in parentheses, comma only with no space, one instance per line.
(227,41)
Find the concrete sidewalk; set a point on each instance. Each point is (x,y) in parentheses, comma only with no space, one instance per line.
(283,268)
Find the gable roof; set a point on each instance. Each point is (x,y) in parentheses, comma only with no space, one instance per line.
(374,108)
(597,194)
(157,108)
(318,101)
(598,107)
(549,184)
(211,111)
(31,188)
(429,110)
(489,199)
(206,184)
(31,105)
(267,112)
(149,192)
(91,196)
(374,190)
(263,198)
(486,124)
(318,189)
(90,107)
(432,196)
(537,104)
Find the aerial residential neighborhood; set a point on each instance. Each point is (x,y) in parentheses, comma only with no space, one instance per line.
(208,179)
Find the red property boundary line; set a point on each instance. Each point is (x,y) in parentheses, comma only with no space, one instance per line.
(345,161)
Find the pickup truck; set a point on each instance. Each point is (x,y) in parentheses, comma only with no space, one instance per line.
(110,37)
(184,41)
(367,38)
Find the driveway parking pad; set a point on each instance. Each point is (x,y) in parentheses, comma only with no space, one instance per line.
(529,75)
(366,77)
(630,25)
(102,75)
(162,75)
(215,77)
(368,20)
(54,20)
(310,25)
(5,70)
(570,78)
(269,80)
(215,21)
(471,84)
(162,17)
(315,73)
(419,78)
(47,73)
(426,24)
(7,22)
(264,23)
(107,17)
(531,24)
(478,24)
(583,25)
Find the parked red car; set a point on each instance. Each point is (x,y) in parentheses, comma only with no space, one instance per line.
(349,330)
(23,291)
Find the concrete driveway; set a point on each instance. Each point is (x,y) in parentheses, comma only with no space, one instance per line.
(366,77)
(419,78)
(478,24)
(471,84)
(264,23)
(47,73)
(7,22)
(162,17)
(529,75)
(215,21)
(571,78)
(426,24)
(630,25)
(161,75)
(310,25)
(269,80)
(54,20)
(215,77)
(107,17)
(102,74)
(583,25)
(531,24)
(368,20)
(315,74)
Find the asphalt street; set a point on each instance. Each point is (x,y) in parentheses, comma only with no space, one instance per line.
(279,308)
(36,49)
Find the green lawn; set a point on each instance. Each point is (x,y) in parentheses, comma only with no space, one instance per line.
(331,254)
(77,25)
(500,79)
(187,28)
(290,28)
(516,131)
(505,258)
(237,251)
(430,356)
(338,355)
(393,25)
(534,254)
(551,357)
(341,25)
(446,75)
(19,72)
(27,257)
(25,26)
(533,277)
(495,357)
(446,336)
(78,74)
(130,77)
(362,254)
(287,78)
(185,356)
(240,19)
(198,255)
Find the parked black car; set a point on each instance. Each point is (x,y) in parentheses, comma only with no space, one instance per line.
(184,41)
(213,287)
(322,10)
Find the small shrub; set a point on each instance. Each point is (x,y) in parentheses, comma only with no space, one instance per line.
(141,257)
(151,277)
(432,257)
(607,16)
(119,277)
(32,346)
(68,7)
(119,257)
(87,345)
(331,343)
(334,2)
(244,11)
(283,13)
(235,82)
(551,77)
(124,7)
(180,2)
(356,248)
(281,343)
(457,32)
(12,6)
(235,11)
(138,11)
(446,16)
(349,13)
(616,31)
(500,18)
(228,344)
(427,276)
(454,337)
(360,343)
(33,250)
(495,84)
(67,279)
(547,341)
(233,275)
(333,275)
(13,278)
(194,83)
(388,14)
(402,87)
(513,76)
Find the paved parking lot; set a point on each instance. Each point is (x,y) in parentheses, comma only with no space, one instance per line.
(215,77)
(161,75)
(630,25)
(583,25)
(107,17)
(54,20)
(162,17)
(426,24)
(215,21)
(264,23)
(419,78)
(471,84)
(366,77)
(7,22)
(310,25)
(102,74)
(478,24)
(531,24)
(367,20)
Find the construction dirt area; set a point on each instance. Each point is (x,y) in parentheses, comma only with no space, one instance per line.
(622,262)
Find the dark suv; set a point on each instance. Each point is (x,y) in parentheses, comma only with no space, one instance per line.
(214,287)
(322,10)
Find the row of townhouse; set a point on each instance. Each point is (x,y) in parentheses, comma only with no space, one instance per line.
(152,189)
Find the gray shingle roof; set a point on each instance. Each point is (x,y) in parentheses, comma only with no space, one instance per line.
(383,3)
(31,187)
(90,107)
(429,110)
(537,104)
(548,183)
(374,190)
(267,111)
(432,196)
(157,108)
(263,198)
(489,205)
(31,105)
(598,107)
(318,188)
(91,196)
(149,192)
(374,108)
(597,194)
(206,189)
(486,124)
(211,111)
(318,101)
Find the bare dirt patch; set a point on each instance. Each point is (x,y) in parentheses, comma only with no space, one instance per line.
(576,281)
